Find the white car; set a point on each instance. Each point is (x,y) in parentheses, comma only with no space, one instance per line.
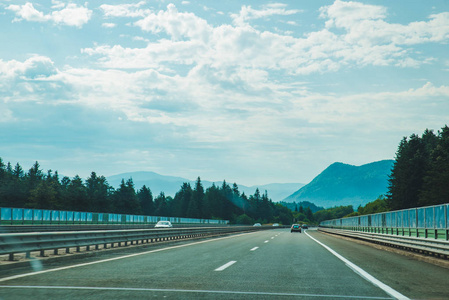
(163,224)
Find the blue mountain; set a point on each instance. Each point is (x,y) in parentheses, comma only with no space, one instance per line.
(343,184)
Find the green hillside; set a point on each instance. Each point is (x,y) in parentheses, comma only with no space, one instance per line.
(343,184)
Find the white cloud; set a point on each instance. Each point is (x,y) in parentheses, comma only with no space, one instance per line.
(28,12)
(34,67)
(177,25)
(248,13)
(195,42)
(108,25)
(365,25)
(70,14)
(125,10)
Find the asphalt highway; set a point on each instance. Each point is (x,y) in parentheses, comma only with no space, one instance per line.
(270,264)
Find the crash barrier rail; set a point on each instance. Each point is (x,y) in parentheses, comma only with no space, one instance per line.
(14,243)
(430,222)
(439,248)
(23,216)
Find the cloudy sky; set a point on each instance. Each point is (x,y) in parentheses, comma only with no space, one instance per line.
(253,92)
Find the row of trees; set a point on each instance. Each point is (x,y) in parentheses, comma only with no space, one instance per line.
(420,175)
(36,189)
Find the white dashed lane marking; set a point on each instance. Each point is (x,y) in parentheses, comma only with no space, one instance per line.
(225,266)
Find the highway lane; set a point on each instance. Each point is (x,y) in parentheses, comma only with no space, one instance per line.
(414,278)
(261,265)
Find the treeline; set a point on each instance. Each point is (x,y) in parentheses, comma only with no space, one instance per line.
(333,213)
(36,189)
(420,175)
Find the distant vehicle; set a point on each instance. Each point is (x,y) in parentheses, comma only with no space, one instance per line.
(296,228)
(304,226)
(276,224)
(163,224)
(257,224)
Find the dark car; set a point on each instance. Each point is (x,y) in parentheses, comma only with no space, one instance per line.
(296,228)
(304,226)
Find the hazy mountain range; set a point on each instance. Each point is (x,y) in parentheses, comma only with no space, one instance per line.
(170,185)
(339,184)
(343,184)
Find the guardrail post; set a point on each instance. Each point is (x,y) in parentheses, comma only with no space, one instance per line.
(11,256)
(55,251)
(28,255)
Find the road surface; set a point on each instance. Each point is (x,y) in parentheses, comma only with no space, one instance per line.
(270,264)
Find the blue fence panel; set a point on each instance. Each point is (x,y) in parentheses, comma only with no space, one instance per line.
(413,217)
(83,217)
(430,217)
(76,216)
(6,214)
(440,218)
(447,215)
(364,221)
(405,218)
(37,216)
(421,216)
(111,218)
(55,216)
(46,216)
(399,219)
(17,215)
(70,216)
(89,217)
(63,216)
(28,215)
(388,222)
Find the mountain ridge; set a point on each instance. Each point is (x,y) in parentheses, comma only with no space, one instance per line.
(344,184)
(170,185)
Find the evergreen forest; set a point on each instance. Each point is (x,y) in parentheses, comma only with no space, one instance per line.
(420,174)
(37,189)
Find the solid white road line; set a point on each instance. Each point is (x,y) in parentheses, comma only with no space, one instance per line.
(253,249)
(118,289)
(225,266)
(390,291)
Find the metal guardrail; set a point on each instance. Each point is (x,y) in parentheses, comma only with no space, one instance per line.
(13,243)
(435,247)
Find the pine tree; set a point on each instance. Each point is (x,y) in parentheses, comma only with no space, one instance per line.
(98,193)
(125,198)
(436,182)
(146,201)
(76,195)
